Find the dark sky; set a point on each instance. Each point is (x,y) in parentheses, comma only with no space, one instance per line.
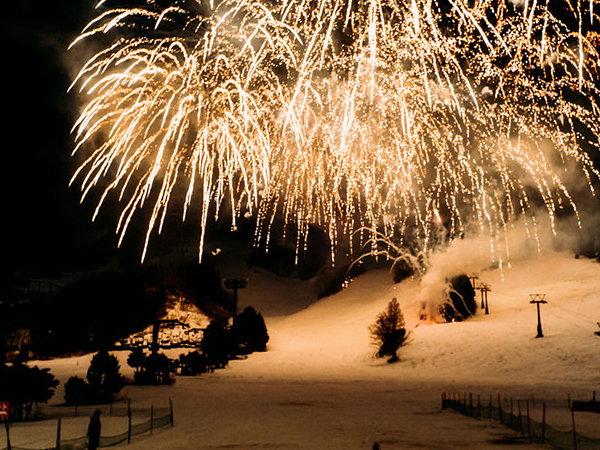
(47,228)
(48,231)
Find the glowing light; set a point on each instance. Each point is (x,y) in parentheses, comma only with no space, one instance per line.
(350,115)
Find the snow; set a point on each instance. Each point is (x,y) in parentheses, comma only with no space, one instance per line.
(319,387)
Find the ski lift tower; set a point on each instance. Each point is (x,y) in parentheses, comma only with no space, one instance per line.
(537,299)
(473,278)
(484,288)
(235,284)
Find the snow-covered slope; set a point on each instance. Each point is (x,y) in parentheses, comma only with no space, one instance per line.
(318,385)
(332,334)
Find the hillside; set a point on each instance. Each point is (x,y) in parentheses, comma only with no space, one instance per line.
(318,385)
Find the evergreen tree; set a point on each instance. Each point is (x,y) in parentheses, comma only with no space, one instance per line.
(137,359)
(217,345)
(192,363)
(104,378)
(23,387)
(388,332)
(160,366)
(250,331)
(76,391)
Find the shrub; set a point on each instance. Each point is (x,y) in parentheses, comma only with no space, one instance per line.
(192,363)
(402,269)
(461,303)
(76,391)
(250,331)
(388,332)
(161,366)
(155,368)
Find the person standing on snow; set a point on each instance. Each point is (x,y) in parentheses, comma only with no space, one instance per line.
(93,432)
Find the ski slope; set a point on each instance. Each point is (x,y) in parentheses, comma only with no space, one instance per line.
(319,387)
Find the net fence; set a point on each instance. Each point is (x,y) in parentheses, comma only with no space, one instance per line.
(46,412)
(520,422)
(156,418)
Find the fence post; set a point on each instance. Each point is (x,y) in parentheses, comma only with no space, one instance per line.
(171,410)
(491,408)
(471,404)
(500,408)
(8,446)
(128,422)
(58,436)
(512,415)
(543,422)
(520,416)
(528,422)
(574,432)
(151,419)
(479,405)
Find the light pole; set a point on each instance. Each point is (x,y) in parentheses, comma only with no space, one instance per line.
(537,299)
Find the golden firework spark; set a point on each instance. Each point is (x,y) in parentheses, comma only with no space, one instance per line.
(352,115)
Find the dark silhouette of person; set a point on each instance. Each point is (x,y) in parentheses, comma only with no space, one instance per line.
(94,431)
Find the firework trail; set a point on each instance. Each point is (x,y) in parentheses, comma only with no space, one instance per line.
(375,115)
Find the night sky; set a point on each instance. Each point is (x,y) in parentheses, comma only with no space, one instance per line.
(49,232)
(47,228)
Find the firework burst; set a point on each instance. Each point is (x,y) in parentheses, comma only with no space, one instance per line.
(353,115)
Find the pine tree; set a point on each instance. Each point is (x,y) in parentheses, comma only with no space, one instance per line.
(217,345)
(250,331)
(104,378)
(389,332)
(137,359)
(25,386)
